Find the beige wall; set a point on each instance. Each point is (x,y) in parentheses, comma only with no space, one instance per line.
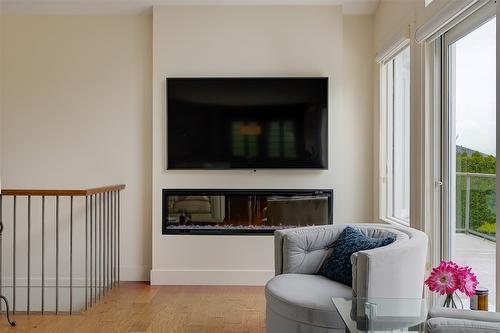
(395,16)
(358,99)
(261,41)
(1,89)
(77,113)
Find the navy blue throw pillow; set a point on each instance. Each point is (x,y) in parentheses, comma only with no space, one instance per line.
(337,266)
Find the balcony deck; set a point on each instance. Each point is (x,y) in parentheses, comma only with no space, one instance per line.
(479,254)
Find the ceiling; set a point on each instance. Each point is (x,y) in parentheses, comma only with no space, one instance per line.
(110,7)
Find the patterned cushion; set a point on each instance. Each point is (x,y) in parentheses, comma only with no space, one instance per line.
(337,266)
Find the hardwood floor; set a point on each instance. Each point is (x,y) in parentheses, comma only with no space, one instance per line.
(138,307)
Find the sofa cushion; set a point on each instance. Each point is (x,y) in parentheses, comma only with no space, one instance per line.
(338,266)
(453,325)
(438,311)
(306,298)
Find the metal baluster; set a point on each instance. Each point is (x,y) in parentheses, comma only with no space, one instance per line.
(43,253)
(71,256)
(95,249)
(91,211)
(119,249)
(105,245)
(14,258)
(100,245)
(109,241)
(57,254)
(1,252)
(116,237)
(113,239)
(86,247)
(111,252)
(29,257)
(467,204)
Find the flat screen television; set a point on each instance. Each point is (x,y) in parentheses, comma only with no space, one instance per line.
(247,123)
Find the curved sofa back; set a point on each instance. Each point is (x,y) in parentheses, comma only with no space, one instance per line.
(302,251)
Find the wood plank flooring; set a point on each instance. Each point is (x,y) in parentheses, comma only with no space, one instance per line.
(138,307)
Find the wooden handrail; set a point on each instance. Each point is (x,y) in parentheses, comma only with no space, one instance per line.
(70,192)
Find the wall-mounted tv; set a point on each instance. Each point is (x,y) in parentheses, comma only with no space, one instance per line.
(247,123)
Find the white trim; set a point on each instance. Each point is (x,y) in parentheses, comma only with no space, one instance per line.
(395,221)
(385,185)
(474,20)
(211,277)
(443,162)
(393,47)
(382,144)
(417,133)
(451,14)
(432,179)
(498,164)
(435,177)
(448,149)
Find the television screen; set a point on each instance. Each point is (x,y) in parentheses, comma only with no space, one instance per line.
(247,123)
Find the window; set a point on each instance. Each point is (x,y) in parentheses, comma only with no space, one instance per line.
(395,137)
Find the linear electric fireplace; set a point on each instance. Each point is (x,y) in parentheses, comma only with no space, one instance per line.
(218,211)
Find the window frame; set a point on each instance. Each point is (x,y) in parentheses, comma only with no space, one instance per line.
(386,189)
(448,165)
(436,110)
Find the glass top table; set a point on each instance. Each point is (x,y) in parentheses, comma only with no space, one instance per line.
(382,314)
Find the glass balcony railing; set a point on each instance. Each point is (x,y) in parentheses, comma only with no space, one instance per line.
(476,205)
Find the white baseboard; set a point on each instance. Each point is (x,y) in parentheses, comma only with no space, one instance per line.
(211,277)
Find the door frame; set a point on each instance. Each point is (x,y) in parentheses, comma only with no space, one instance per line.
(448,146)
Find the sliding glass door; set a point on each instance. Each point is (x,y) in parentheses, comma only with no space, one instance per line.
(469,147)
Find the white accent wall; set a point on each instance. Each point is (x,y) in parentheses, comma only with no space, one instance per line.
(261,41)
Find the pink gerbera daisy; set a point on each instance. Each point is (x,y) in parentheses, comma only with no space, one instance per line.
(468,281)
(444,278)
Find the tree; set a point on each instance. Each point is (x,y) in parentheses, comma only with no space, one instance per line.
(482,209)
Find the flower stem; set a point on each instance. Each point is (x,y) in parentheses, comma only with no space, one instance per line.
(449,302)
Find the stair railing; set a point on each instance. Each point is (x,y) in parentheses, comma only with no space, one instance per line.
(71,232)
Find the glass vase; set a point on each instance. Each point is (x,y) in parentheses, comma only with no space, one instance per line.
(452,301)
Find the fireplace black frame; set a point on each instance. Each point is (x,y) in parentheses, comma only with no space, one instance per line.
(235,231)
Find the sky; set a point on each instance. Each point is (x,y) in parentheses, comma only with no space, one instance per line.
(476,89)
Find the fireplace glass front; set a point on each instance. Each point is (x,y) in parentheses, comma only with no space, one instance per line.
(243,211)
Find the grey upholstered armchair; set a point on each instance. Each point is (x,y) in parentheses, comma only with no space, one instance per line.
(299,300)
(443,320)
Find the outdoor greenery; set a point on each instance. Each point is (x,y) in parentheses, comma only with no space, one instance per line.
(482,214)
